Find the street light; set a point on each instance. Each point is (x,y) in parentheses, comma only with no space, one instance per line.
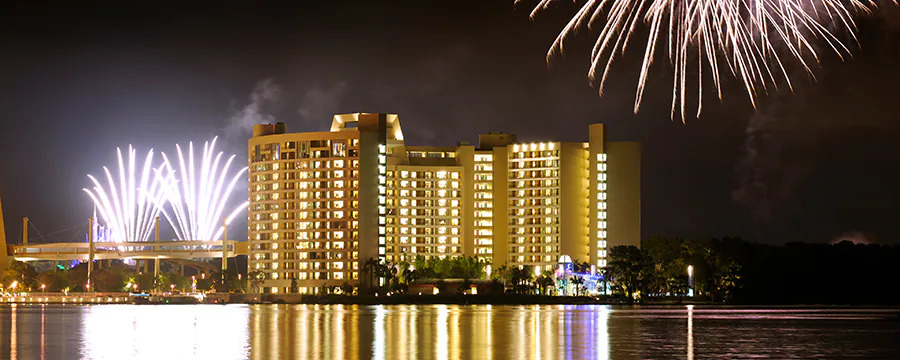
(690,271)
(43,287)
(172,286)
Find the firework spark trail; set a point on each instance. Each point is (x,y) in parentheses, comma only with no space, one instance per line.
(129,208)
(198,197)
(742,36)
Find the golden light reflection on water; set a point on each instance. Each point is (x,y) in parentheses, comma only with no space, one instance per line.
(13,333)
(438,332)
(429,332)
(306,332)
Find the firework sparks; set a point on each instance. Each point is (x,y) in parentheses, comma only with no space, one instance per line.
(198,197)
(750,39)
(127,204)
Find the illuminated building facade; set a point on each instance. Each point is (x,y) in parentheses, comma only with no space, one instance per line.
(322,203)
(317,201)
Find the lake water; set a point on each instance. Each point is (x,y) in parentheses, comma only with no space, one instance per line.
(442,332)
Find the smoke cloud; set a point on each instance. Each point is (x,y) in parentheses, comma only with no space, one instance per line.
(773,161)
(800,145)
(319,103)
(257,111)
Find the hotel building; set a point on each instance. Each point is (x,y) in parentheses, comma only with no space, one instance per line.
(322,203)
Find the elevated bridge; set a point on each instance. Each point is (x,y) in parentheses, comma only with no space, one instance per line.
(173,251)
(133,250)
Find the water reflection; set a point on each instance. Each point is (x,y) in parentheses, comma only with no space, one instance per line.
(428,332)
(14,333)
(439,332)
(690,332)
(163,331)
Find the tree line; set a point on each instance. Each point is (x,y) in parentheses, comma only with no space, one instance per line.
(117,277)
(731,270)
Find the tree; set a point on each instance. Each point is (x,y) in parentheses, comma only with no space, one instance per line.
(629,269)
(520,280)
(545,282)
(181,282)
(725,277)
(407,275)
(55,280)
(107,280)
(347,289)
(581,267)
(146,281)
(204,283)
(578,283)
(462,267)
(22,273)
(256,279)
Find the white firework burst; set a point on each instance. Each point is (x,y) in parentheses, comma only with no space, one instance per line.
(127,203)
(198,195)
(750,40)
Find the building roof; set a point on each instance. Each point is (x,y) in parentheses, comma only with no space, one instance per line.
(351,122)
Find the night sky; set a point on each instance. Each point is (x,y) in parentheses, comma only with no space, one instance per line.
(78,81)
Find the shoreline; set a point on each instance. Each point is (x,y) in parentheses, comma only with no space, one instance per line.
(258,299)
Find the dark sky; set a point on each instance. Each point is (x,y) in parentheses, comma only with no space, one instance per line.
(78,81)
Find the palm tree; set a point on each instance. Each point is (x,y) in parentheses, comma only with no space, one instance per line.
(578,282)
(519,277)
(544,282)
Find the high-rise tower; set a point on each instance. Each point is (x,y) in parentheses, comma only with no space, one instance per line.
(323,204)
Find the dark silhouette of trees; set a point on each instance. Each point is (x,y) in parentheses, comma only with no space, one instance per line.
(732,270)
(629,268)
(545,282)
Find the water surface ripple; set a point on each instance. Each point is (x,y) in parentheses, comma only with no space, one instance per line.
(443,332)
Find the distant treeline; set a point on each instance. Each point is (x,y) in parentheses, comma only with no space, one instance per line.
(732,270)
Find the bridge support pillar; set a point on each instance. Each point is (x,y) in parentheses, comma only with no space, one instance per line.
(224,246)
(156,260)
(90,268)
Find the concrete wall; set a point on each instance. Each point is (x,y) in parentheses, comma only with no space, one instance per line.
(371,135)
(500,204)
(573,201)
(624,180)
(596,142)
(465,156)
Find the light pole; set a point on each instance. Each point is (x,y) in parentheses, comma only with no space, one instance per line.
(43,288)
(690,271)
